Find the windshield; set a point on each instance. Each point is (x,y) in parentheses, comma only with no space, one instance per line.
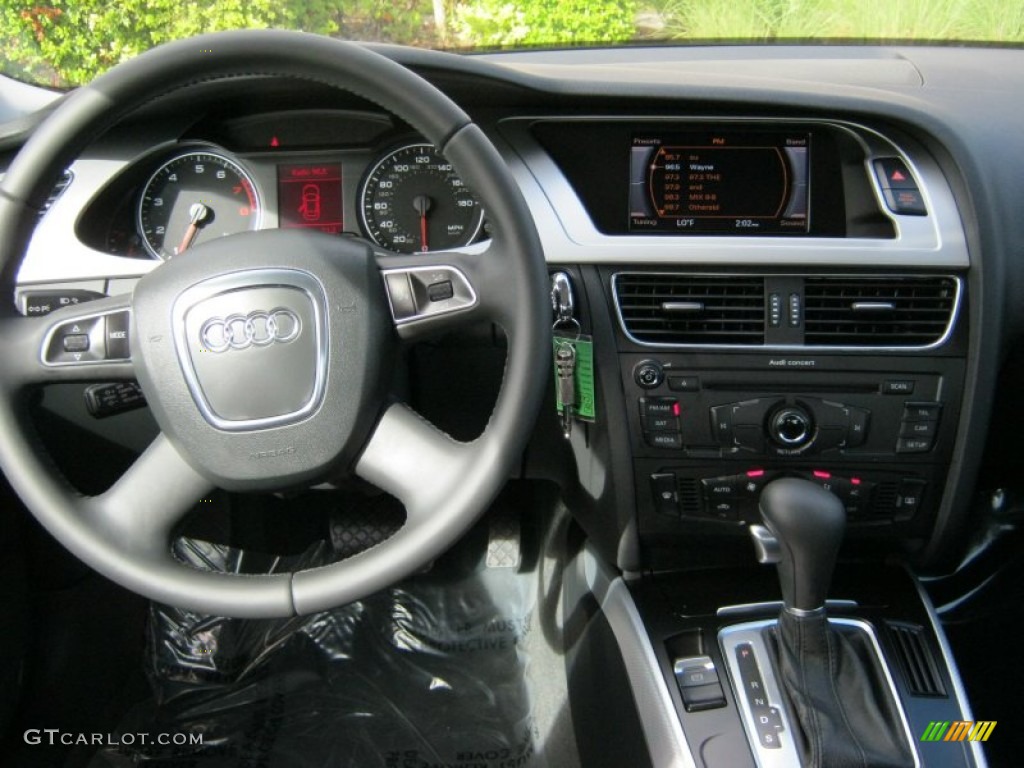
(63,44)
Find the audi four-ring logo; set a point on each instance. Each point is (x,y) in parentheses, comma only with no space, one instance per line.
(256,329)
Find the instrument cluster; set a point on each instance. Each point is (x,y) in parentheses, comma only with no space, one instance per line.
(402,195)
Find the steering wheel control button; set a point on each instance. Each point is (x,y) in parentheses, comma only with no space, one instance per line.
(648,374)
(420,293)
(266,328)
(75,342)
(441,291)
(118,347)
(403,303)
(37,303)
(103,400)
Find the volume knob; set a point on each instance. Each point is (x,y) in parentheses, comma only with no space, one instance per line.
(791,426)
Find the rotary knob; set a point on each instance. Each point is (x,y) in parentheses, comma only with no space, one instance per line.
(791,426)
(648,374)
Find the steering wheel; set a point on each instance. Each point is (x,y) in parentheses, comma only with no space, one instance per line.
(264,355)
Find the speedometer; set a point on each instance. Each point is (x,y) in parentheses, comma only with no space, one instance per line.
(412,200)
(196,196)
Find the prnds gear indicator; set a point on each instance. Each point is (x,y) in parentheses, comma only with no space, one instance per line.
(742,183)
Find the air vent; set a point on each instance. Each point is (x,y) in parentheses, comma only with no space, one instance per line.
(691,309)
(915,660)
(878,312)
(689,497)
(57,191)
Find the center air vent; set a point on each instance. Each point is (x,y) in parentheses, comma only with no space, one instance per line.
(691,309)
(878,312)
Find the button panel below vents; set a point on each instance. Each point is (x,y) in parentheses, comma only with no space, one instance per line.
(691,309)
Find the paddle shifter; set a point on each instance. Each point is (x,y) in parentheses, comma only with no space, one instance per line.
(808,522)
(831,675)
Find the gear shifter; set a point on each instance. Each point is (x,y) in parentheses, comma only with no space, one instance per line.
(816,661)
(808,523)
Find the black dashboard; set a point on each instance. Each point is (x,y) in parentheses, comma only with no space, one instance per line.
(791,260)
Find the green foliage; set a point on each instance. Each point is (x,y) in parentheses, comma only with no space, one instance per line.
(68,42)
(754,20)
(543,22)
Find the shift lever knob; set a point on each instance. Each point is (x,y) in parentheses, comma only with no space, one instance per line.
(808,523)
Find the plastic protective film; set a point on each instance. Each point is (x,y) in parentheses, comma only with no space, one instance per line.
(429,673)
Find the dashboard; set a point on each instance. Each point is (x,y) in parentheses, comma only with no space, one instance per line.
(791,260)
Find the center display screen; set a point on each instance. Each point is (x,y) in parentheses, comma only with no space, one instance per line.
(741,182)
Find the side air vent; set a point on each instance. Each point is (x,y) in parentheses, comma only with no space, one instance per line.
(57,191)
(691,309)
(915,660)
(878,312)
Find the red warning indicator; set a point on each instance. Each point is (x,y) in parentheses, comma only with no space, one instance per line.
(897,176)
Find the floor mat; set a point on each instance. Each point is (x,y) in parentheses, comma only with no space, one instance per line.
(429,674)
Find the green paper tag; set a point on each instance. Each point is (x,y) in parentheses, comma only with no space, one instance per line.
(584,378)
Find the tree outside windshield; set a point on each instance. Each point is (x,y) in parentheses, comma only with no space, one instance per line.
(68,43)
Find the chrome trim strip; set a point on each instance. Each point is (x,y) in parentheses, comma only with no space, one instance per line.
(663,732)
(774,606)
(729,638)
(255,278)
(954,673)
(953,316)
(569,235)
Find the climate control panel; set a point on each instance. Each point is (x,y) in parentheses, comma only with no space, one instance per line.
(870,496)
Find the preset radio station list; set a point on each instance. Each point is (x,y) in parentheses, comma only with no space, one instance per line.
(742,182)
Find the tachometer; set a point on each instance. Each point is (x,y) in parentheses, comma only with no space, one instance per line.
(196,196)
(412,200)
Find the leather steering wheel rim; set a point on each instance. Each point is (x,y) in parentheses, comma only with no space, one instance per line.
(444,484)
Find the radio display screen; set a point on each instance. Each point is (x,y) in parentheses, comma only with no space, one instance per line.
(740,182)
(309,196)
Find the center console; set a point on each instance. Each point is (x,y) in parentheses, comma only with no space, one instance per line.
(863,402)
(774,303)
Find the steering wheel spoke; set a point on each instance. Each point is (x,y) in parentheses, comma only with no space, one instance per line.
(413,461)
(434,292)
(86,342)
(143,506)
